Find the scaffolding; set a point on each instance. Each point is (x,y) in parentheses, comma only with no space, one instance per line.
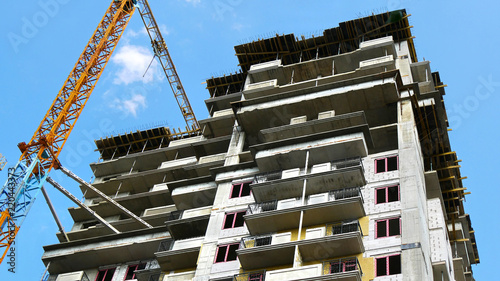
(432,126)
(335,41)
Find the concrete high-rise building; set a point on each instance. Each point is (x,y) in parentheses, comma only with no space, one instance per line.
(324,158)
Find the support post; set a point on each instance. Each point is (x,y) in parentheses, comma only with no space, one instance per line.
(79,203)
(54,214)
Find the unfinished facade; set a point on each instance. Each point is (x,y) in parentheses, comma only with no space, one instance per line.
(325,158)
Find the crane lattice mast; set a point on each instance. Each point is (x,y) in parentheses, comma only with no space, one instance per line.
(40,154)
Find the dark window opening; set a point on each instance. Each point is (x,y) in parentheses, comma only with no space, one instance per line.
(386,164)
(388,227)
(226,253)
(387,194)
(394,228)
(392,163)
(381,195)
(131,271)
(233,220)
(395,264)
(381,228)
(221,254)
(105,275)
(231,255)
(240,190)
(393,193)
(380,165)
(388,265)
(381,267)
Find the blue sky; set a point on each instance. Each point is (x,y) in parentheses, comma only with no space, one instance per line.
(40,44)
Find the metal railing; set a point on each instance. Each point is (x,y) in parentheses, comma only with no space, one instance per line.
(341,265)
(255,241)
(343,227)
(335,165)
(251,276)
(345,193)
(256,208)
(166,245)
(333,195)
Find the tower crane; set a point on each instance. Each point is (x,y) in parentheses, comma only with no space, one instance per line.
(39,155)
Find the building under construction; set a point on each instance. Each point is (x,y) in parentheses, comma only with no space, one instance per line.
(325,158)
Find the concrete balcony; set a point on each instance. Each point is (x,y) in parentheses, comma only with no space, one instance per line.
(168,171)
(347,269)
(93,252)
(275,216)
(189,223)
(178,254)
(362,90)
(321,177)
(220,124)
(194,195)
(321,243)
(342,124)
(291,153)
(155,197)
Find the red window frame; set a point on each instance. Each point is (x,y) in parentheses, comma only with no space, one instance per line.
(103,278)
(387,266)
(235,216)
(386,194)
(228,247)
(240,186)
(387,227)
(385,160)
(134,267)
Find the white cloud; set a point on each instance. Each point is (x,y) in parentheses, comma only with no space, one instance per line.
(237,26)
(194,2)
(132,105)
(133,62)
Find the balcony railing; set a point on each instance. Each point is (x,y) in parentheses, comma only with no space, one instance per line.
(331,230)
(256,241)
(334,165)
(344,227)
(341,265)
(332,195)
(166,245)
(251,276)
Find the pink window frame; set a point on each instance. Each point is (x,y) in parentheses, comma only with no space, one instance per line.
(104,277)
(387,227)
(386,193)
(386,264)
(234,219)
(227,252)
(135,266)
(385,158)
(241,189)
